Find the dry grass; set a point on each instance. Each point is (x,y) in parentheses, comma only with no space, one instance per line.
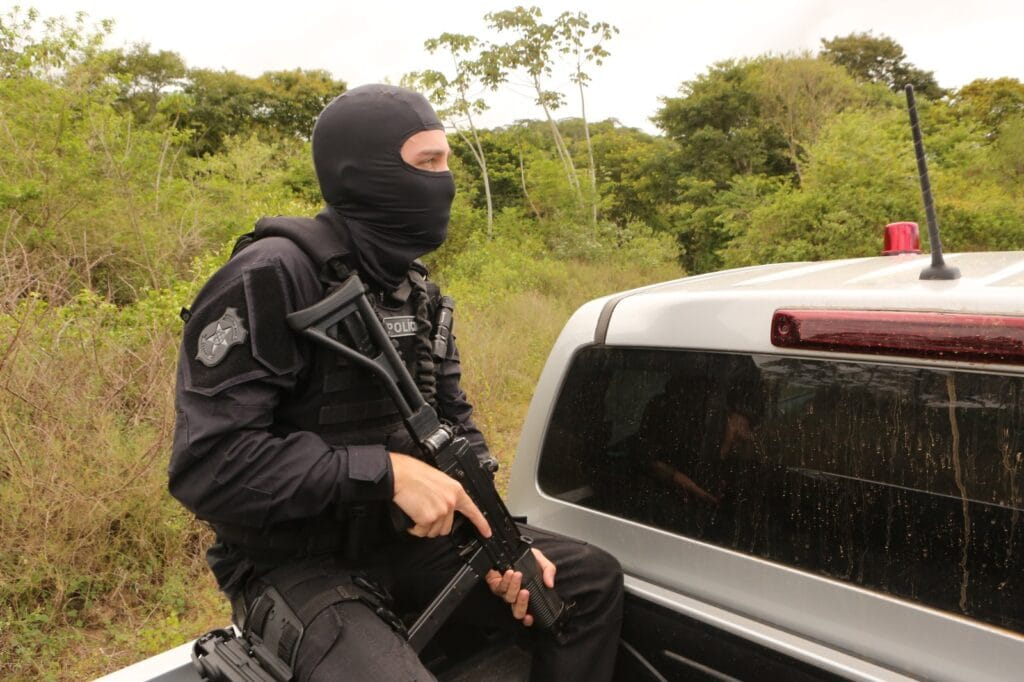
(91,541)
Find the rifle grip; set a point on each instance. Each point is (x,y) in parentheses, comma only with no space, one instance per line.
(545,604)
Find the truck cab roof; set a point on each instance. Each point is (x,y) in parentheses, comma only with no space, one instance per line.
(732,309)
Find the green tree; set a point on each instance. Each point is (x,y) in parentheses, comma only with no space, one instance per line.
(584,42)
(978,183)
(637,175)
(879,60)
(1007,161)
(719,124)
(50,51)
(451,95)
(989,102)
(800,95)
(278,105)
(859,175)
(502,148)
(293,98)
(532,51)
(222,104)
(91,199)
(144,77)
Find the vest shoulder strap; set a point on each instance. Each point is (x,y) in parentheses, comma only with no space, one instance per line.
(317,239)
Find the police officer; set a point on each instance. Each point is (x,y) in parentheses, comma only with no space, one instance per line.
(294,456)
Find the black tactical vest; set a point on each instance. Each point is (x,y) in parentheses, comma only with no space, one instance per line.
(344,404)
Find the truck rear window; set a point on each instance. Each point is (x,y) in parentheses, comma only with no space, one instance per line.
(904,480)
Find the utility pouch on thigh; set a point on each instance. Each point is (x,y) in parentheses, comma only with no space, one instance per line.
(279,627)
(273,628)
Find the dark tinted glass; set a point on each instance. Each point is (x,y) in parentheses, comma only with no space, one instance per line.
(900,479)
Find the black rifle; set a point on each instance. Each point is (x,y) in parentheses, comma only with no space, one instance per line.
(346,322)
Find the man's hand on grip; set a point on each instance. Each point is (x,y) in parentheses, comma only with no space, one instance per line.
(430,498)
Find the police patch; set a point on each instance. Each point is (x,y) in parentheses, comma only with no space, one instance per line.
(400,326)
(219,336)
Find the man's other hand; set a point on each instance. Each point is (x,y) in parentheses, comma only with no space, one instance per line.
(508,586)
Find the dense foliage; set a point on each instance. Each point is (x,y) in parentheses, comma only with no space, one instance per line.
(125,174)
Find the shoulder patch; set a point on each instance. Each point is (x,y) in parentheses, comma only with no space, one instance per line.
(243,305)
(218,337)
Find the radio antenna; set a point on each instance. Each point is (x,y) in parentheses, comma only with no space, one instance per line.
(938,269)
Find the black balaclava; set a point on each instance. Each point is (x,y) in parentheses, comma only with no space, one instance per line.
(395,212)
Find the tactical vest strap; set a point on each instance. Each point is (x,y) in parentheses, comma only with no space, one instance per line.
(317,239)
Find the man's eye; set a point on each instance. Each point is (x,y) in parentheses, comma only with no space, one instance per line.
(434,162)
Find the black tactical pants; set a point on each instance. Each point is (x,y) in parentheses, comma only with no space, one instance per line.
(347,641)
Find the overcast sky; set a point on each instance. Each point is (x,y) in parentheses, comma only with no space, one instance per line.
(660,45)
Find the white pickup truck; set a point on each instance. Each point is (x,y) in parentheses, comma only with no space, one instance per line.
(808,470)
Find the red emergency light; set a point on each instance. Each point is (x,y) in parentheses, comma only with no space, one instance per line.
(942,336)
(901,238)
